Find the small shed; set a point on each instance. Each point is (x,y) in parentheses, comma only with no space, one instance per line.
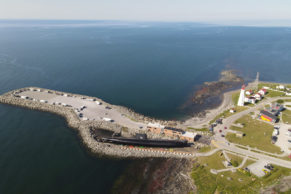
(239,134)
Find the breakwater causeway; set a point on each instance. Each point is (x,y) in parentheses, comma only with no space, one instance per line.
(87,114)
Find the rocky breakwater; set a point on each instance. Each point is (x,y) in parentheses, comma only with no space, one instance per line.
(83,127)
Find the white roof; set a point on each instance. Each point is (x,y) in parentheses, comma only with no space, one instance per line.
(157,125)
(189,134)
(107,119)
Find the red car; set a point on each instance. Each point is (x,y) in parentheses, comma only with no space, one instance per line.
(225,127)
(220,131)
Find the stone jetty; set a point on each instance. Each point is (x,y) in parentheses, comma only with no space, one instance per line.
(31,98)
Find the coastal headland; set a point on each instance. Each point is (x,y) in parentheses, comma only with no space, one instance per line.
(240,140)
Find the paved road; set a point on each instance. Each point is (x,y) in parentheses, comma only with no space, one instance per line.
(222,143)
(248,153)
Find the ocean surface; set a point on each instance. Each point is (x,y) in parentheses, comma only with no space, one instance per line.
(152,68)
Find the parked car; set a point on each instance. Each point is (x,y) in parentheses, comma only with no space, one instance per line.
(275,132)
(274,139)
(276,127)
(269,166)
(220,131)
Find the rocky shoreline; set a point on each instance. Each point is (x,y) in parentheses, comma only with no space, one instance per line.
(83,128)
(156,176)
(210,94)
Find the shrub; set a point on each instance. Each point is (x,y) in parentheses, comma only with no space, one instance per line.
(234,163)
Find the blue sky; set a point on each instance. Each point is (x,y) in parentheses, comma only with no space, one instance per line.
(148,10)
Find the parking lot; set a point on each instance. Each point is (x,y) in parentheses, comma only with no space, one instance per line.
(257,168)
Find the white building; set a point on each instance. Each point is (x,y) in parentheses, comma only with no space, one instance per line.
(156,125)
(241,99)
(262,92)
(280,87)
(249,92)
(258,96)
(232,110)
(250,100)
(189,136)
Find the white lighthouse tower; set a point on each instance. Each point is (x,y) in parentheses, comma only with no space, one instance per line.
(241,100)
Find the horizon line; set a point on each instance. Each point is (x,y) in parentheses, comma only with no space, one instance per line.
(243,23)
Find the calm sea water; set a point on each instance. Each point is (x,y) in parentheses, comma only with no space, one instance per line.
(150,67)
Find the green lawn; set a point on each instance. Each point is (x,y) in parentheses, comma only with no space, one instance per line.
(248,162)
(274,94)
(270,92)
(235,159)
(197,129)
(257,134)
(286,117)
(270,85)
(235,97)
(207,182)
(205,149)
(226,113)
(214,161)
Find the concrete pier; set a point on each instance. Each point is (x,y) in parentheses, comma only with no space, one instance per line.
(83,113)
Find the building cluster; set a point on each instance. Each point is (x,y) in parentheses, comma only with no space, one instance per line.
(271,113)
(250,96)
(280,88)
(171,132)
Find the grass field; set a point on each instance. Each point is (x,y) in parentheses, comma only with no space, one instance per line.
(270,85)
(235,159)
(270,92)
(235,97)
(257,134)
(226,113)
(205,149)
(274,94)
(229,182)
(197,129)
(248,162)
(286,116)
